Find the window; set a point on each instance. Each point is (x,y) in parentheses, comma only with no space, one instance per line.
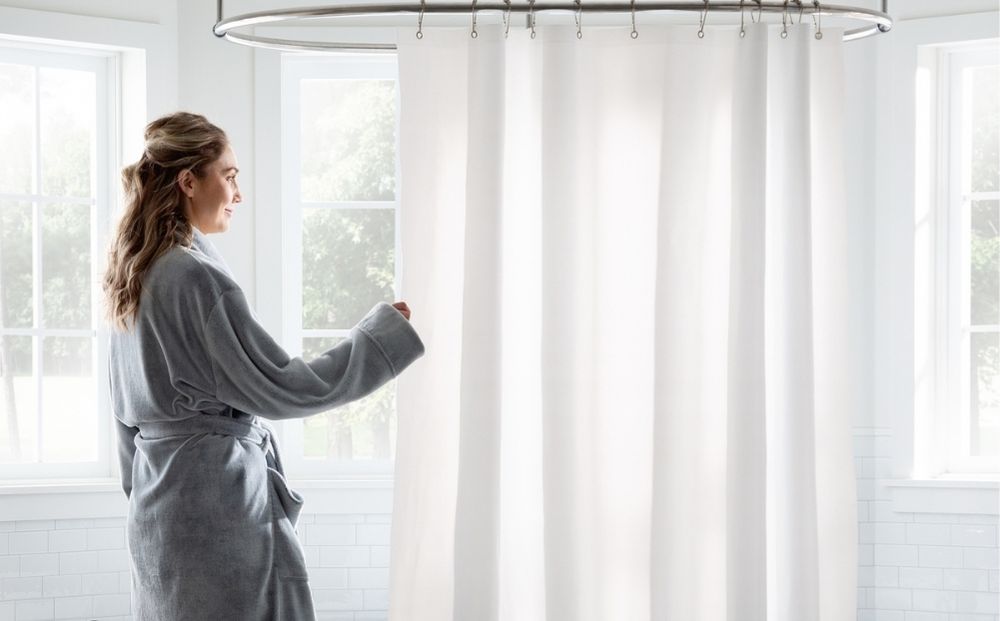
(962,81)
(55,166)
(973,203)
(340,205)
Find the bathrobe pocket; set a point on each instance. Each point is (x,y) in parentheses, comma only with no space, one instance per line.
(286,504)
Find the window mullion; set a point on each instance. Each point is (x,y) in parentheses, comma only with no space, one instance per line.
(981,196)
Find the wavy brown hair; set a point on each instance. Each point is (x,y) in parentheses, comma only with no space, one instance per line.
(154,219)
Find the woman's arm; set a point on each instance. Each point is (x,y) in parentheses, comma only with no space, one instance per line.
(254,374)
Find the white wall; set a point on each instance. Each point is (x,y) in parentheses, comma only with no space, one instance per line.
(164,12)
(860,170)
(914,9)
(216,79)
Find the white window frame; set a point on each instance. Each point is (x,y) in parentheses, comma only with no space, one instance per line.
(954,255)
(104,66)
(294,68)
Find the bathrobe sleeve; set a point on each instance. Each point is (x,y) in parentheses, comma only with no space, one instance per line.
(254,374)
(125,442)
(126,453)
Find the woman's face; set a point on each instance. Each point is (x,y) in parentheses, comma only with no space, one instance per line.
(211,199)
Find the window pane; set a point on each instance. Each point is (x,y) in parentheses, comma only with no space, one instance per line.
(984,276)
(66,266)
(348,137)
(69,406)
(984,392)
(17,123)
(347,264)
(363,429)
(68,128)
(18,402)
(985,134)
(15,264)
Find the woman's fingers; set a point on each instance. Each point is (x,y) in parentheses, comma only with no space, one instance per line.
(402,308)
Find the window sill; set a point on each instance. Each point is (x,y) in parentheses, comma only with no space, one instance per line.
(97,498)
(951,494)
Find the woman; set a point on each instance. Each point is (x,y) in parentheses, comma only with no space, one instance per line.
(211,520)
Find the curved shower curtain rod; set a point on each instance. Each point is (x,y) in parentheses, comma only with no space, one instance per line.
(877,21)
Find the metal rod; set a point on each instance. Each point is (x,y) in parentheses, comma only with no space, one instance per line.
(879,21)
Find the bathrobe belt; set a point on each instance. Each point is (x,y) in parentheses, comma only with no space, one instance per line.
(256,430)
(212,423)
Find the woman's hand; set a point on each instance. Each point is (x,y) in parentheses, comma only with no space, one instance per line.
(403,308)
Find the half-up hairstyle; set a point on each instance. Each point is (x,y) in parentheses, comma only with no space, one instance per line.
(154,219)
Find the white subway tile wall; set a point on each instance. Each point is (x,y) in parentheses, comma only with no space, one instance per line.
(79,569)
(912,566)
(919,566)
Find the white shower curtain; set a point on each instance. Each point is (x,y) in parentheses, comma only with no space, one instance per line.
(627,260)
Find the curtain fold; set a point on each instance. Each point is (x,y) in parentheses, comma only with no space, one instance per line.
(627,259)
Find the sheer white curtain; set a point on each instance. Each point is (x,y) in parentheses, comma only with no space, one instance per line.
(627,260)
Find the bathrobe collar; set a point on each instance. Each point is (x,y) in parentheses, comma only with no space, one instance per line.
(202,244)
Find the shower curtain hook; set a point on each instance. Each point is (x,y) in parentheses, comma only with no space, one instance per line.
(799,2)
(701,27)
(743,31)
(506,19)
(817,20)
(579,12)
(760,8)
(635,33)
(531,17)
(474,33)
(784,21)
(420,21)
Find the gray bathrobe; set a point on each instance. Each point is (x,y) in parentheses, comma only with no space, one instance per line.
(211,518)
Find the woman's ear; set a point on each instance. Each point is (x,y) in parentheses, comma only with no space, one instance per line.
(185,180)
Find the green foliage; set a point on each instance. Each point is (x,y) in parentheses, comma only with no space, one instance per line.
(17,87)
(66,158)
(348,140)
(985,303)
(348,264)
(66,281)
(15,263)
(986,133)
(67,130)
(985,262)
